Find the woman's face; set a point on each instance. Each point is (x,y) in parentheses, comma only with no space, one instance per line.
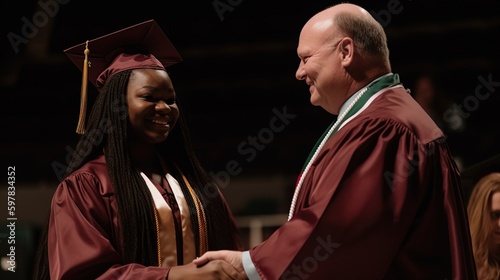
(495,219)
(151,105)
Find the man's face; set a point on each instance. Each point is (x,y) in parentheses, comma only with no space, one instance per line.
(320,65)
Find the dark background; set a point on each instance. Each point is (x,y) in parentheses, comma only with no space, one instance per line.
(239,64)
(235,71)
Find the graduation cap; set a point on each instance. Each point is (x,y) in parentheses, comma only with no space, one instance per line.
(140,46)
(473,174)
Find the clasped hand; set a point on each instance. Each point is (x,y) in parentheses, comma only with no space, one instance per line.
(213,265)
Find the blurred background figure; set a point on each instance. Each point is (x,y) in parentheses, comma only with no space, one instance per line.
(427,95)
(484,220)
(430,96)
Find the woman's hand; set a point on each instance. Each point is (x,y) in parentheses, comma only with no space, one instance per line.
(212,270)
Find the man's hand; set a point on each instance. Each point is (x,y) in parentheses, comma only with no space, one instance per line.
(214,270)
(232,257)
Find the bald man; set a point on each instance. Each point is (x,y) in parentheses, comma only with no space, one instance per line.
(380,195)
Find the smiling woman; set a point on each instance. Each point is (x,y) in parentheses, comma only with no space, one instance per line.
(152,105)
(136,203)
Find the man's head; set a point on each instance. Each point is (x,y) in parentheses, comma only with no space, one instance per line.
(341,49)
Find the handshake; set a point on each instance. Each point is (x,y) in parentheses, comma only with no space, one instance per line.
(222,264)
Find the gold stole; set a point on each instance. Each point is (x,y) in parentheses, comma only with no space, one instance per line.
(165,230)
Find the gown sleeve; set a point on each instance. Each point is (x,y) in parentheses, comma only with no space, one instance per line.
(82,234)
(370,207)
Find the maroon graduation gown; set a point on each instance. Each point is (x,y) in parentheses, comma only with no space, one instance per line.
(84,231)
(382,200)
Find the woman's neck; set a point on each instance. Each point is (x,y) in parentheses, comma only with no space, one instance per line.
(145,159)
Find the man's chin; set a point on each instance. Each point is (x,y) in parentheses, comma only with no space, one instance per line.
(314,100)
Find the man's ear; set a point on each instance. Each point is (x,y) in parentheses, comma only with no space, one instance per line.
(346,47)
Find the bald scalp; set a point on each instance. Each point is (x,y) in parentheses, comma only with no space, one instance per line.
(357,23)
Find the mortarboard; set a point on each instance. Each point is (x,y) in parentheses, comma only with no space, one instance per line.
(143,45)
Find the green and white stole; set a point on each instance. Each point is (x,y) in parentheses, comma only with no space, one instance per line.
(360,100)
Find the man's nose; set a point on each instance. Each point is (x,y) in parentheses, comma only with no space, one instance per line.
(300,74)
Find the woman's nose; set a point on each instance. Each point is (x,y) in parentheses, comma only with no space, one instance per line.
(162,106)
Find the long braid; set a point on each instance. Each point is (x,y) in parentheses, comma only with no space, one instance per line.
(222,234)
(178,147)
(219,236)
(107,128)
(134,201)
(174,151)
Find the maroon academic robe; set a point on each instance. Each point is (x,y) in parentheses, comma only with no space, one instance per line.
(84,230)
(382,200)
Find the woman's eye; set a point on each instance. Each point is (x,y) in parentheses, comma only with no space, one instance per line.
(495,215)
(148,97)
(170,101)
